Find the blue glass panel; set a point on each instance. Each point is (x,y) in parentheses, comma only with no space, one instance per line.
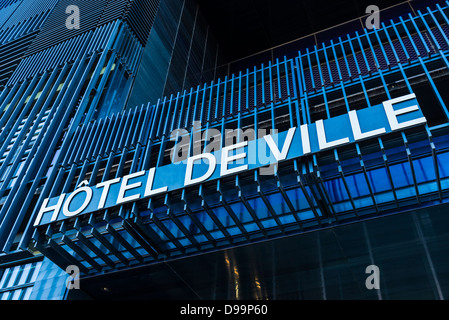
(184,242)
(187,222)
(217,235)
(205,220)
(278,203)
(201,238)
(343,206)
(424,169)
(443,158)
(223,216)
(401,174)
(441,142)
(427,187)
(336,190)
(259,207)
(129,238)
(50,283)
(406,192)
(287,219)
(269,223)
(241,212)
(298,199)
(379,180)
(252,227)
(384,197)
(234,231)
(171,226)
(363,202)
(357,185)
(306,215)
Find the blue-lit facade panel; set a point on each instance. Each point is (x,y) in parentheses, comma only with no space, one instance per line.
(50,89)
(378,176)
(181,53)
(17,282)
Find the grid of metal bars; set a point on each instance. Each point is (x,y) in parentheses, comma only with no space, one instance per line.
(39,115)
(16,283)
(20,22)
(388,174)
(34,38)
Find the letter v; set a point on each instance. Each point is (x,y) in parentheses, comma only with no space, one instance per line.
(280,155)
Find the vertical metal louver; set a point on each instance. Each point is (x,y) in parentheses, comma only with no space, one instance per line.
(140,17)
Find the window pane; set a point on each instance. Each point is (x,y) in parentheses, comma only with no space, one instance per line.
(5,295)
(18,275)
(16,294)
(15,271)
(36,271)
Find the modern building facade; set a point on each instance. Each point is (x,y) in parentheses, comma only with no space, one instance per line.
(142,154)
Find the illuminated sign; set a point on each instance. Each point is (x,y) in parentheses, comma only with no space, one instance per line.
(391,115)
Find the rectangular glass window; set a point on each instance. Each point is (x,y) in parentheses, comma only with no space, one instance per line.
(16,283)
